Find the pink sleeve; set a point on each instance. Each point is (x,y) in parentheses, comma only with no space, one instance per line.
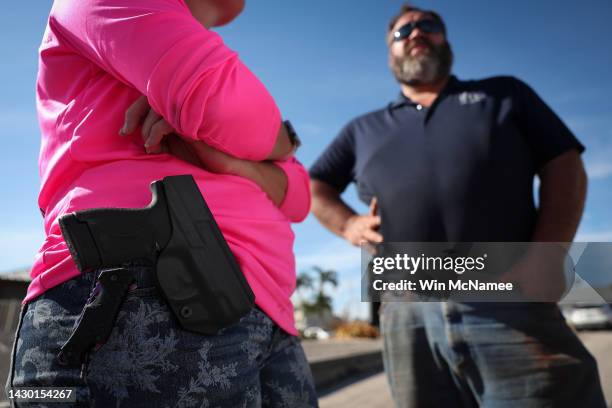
(297,198)
(190,77)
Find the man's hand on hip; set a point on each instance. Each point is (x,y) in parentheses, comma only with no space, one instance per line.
(362,228)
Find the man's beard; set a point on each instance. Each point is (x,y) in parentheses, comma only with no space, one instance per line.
(424,69)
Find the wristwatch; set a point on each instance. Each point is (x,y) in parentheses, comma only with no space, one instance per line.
(293,136)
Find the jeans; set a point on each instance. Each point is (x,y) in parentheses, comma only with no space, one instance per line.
(493,355)
(150,361)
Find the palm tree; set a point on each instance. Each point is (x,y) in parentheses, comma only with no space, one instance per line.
(323,302)
(320,302)
(303,283)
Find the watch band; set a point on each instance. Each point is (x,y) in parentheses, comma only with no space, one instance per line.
(293,136)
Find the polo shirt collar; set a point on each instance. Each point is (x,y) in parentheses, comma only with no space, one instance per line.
(403,100)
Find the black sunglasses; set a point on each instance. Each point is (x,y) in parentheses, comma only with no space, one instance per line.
(428,26)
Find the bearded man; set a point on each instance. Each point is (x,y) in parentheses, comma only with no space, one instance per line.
(454,161)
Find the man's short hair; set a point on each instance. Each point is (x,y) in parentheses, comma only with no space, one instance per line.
(407,8)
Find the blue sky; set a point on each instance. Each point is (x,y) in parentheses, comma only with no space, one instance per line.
(325,62)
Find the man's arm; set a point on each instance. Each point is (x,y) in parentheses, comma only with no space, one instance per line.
(342,220)
(542,274)
(563,185)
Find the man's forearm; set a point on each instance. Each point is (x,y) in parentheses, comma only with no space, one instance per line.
(329,208)
(562,195)
(541,273)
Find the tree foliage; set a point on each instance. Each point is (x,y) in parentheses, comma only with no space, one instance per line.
(319,301)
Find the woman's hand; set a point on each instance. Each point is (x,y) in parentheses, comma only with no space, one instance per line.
(154,126)
(155,129)
(159,137)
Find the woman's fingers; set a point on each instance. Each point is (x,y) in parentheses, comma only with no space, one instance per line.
(134,115)
(151,119)
(154,127)
(158,131)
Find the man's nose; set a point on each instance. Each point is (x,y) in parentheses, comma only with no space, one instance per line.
(416,33)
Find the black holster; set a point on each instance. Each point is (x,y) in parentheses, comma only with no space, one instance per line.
(195,268)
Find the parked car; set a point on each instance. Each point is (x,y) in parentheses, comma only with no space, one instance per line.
(314,332)
(589,316)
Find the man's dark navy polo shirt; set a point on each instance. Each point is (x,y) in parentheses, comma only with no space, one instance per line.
(461,170)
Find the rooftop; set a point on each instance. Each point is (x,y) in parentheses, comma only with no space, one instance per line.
(18,275)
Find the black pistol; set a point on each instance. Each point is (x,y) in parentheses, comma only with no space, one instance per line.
(195,268)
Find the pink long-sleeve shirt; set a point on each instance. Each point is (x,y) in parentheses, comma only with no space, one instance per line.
(97,57)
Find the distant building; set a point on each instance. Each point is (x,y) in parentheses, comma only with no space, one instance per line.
(325,319)
(13,287)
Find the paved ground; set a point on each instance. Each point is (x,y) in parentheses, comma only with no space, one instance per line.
(599,344)
(328,349)
(373,392)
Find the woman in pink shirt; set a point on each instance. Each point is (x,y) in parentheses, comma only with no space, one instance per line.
(98,57)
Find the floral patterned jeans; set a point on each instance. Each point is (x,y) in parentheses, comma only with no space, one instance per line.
(149,361)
